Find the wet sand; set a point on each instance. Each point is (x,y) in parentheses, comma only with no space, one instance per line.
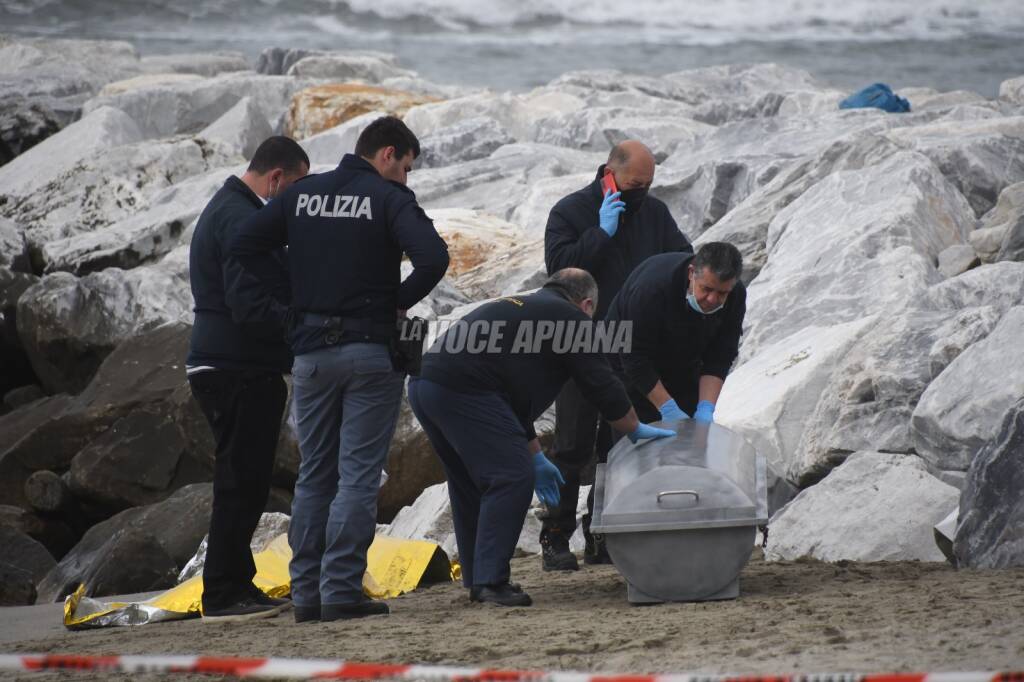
(802,616)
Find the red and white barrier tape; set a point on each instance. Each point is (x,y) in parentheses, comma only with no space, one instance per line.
(305,669)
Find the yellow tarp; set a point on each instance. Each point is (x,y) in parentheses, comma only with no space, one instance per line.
(394,566)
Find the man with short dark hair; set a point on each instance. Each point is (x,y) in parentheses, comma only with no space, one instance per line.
(234,368)
(608,234)
(687,314)
(477,399)
(346,232)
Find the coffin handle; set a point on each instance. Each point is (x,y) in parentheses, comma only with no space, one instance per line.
(667,493)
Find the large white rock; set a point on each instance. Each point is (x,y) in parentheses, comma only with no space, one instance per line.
(101,130)
(746,225)
(518,114)
(240,130)
(857,243)
(498,184)
(702,182)
(962,409)
(534,208)
(991,529)
(925,99)
(769,398)
(175,108)
(980,157)
(473,237)
(957,259)
(329,146)
(729,92)
(599,128)
(63,319)
(507,110)
(147,80)
(1012,91)
(144,235)
(13,253)
(1000,285)
(467,140)
(61,74)
(108,186)
(520,268)
(338,66)
(874,507)
(198,63)
(874,386)
(1008,217)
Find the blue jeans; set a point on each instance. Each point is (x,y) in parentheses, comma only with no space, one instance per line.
(484,451)
(346,402)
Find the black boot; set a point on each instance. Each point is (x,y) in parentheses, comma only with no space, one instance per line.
(554,551)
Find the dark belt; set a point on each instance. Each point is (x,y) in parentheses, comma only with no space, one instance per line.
(335,325)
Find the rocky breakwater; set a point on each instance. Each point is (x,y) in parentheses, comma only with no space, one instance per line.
(870,321)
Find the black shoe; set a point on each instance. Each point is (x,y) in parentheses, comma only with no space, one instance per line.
(278,603)
(595,551)
(246,609)
(502,595)
(474,592)
(555,553)
(362,609)
(306,614)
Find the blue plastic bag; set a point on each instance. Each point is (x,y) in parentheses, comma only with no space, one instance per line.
(879,96)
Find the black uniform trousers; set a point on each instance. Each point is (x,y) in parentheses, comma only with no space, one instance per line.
(244,410)
(582,439)
(486,459)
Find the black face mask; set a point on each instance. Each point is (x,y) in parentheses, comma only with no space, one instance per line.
(634,198)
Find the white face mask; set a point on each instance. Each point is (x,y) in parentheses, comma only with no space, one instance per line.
(692,300)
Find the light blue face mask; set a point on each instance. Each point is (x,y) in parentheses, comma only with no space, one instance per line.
(692,300)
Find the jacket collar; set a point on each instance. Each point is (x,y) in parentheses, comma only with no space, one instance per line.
(357,163)
(235,184)
(595,186)
(681,282)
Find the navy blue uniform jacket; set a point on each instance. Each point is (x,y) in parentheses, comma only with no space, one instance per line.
(346,231)
(227,334)
(531,379)
(574,238)
(672,341)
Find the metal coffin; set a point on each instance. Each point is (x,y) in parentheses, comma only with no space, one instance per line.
(679,515)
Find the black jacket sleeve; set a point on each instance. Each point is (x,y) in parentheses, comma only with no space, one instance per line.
(638,364)
(599,384)
(565,247)
(252,271)
(722,350)
(415,234)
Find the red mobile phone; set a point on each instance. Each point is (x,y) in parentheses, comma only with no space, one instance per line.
(608,184)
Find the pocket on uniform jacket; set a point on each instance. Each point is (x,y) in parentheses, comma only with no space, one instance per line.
(303,369)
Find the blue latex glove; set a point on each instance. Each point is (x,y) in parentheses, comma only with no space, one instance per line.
(546,480)
(705,412)
(670,412)
(647,431)
(611,208)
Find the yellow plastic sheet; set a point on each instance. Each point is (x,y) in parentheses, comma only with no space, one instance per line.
(394,566)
